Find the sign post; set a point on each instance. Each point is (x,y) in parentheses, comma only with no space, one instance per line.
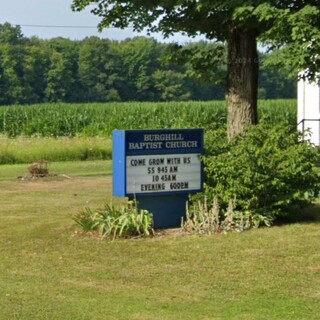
(159,168)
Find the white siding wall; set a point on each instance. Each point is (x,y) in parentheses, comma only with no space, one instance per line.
(309,109)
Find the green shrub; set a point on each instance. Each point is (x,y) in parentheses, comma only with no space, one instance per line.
(115,222)
(268,172)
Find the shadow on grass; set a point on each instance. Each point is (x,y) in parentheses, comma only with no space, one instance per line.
(309,214)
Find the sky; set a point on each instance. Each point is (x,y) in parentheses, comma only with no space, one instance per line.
(48,19)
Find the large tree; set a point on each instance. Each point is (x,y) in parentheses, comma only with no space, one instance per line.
(240,24)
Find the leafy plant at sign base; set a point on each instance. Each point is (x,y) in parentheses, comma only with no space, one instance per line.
(116,222)
(202,218)
(87,220)
(269,170)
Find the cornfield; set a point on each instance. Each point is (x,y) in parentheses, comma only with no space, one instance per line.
(69,120)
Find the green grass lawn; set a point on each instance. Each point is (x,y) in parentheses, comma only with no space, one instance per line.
(72,168)
(24,149)
(48,271)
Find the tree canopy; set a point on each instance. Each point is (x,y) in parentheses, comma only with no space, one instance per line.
(292,26)
(275,23)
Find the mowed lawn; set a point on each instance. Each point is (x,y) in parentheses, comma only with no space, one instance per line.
(49,271)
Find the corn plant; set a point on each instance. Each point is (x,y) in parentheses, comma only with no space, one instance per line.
(91,119)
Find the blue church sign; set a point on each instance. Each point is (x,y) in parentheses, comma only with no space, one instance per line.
(159,168)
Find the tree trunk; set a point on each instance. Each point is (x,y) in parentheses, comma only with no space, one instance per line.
(242,85)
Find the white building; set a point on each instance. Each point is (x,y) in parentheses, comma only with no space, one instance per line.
(309,110)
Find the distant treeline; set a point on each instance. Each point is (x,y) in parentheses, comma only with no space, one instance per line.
(34,70)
